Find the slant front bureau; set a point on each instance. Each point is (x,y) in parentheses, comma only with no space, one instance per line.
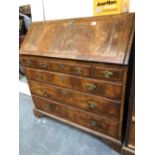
(77,71)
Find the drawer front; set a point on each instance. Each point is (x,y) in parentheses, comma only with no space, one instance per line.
(79,117)
(29,63)
(93,104)
(92,86)
(69,67)
(108,74)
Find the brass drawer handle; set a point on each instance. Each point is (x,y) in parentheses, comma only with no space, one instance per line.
(71,21)
(62,78)
(44,66)
(44,93)
(91,105)
(107,74)
(59,67)
(39,77)
(91,86)
(51,106)
(63,92)
(28,63)
(78,70)
(93,123)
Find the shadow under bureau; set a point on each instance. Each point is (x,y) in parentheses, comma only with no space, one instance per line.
(77,71)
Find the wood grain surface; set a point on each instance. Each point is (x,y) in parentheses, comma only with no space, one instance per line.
(99,39)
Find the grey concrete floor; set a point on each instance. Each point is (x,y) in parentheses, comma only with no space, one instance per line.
(45,136)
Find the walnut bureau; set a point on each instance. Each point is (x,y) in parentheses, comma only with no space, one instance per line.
(77,71)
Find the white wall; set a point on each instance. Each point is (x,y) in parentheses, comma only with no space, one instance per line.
(36,8)
(59,9)
(132,6)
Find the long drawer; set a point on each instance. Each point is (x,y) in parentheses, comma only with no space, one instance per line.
(87,120)
(92,86)
(93,104)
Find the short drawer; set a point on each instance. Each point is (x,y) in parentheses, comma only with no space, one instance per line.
(74,115)
(91,86)
(63,66)
(109,74)
(29,62)
(92,104)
